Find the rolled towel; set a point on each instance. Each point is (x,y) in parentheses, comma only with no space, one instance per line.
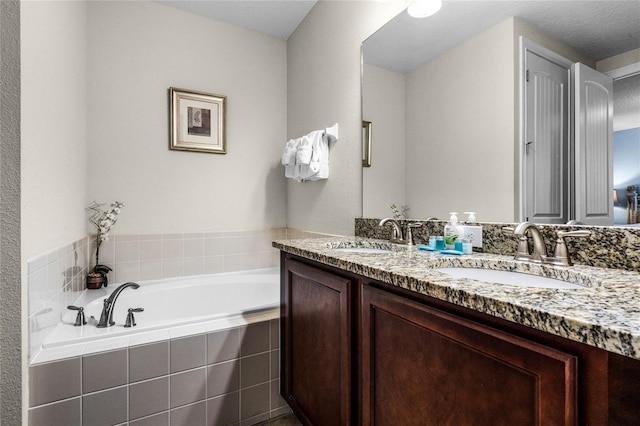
(320,154)
(305,151)
(289,154)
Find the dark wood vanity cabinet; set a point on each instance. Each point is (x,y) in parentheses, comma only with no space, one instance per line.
(316,330)
(423,366)
(356,351)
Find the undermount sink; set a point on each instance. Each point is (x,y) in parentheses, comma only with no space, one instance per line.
(508,277)
(363,250)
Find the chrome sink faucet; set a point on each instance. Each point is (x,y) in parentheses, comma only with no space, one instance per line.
(397,234)
(106,317)
(539,252)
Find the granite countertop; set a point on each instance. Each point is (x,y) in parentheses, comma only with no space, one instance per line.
(605,313)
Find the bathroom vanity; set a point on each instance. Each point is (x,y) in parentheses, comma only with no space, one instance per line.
(380,337)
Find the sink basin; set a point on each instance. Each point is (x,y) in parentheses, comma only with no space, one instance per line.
(363,250)
(508,277)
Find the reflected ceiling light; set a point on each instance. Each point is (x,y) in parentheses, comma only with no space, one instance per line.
(424,8)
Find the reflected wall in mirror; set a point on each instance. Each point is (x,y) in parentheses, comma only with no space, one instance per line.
(444,94)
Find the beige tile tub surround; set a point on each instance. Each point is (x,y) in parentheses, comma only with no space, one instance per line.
(225,377)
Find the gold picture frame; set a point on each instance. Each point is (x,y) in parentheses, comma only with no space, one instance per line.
(366,144)
(197,121)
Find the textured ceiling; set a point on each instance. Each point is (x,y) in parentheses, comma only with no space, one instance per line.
(597,29)
(276,18)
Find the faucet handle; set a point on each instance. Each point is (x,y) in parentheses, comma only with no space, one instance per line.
(560,253)
(80,320)
(131,321)
(582,233)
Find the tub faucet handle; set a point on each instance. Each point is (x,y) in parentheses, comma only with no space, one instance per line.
(131,321)
(80,320)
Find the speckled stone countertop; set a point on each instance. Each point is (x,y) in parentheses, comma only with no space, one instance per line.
(605,313)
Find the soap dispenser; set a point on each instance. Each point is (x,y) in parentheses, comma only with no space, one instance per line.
(452,231)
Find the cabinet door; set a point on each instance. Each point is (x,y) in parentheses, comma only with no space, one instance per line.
(316,349)
(421,366)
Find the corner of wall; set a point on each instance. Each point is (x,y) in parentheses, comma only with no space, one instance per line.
(323,86)
(12,378)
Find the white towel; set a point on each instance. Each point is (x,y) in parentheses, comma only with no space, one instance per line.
(307,158)
(305,150)
(289,158)
(319,166)
(289,154)
(304,158)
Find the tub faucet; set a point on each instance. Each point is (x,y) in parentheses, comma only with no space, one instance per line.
(106,317)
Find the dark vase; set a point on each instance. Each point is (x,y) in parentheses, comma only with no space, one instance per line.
(94,283)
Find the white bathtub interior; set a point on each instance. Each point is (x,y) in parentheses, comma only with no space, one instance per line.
(175,307)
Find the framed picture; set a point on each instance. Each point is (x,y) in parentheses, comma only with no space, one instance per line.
(366,144)
(197,121)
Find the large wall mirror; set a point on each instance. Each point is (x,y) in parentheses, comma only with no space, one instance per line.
(443,96)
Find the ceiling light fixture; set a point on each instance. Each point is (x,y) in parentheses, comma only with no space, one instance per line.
(424,8)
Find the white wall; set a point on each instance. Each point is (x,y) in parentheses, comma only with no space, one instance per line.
(95,79)
(383,104)
(131,67)
(323,86)
(53,124)
(460,129)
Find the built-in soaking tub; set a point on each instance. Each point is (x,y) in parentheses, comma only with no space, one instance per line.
(174,307)
(205,347)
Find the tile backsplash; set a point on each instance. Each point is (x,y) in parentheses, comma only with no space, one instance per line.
(157,256)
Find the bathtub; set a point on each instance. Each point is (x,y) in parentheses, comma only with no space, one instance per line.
(173,308)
